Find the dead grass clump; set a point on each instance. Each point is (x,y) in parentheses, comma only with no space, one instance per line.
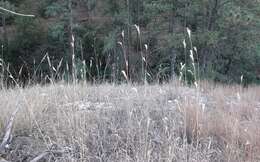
(132,123)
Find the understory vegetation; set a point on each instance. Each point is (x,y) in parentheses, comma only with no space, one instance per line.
(225,34)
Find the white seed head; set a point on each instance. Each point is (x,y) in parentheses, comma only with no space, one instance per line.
(137,29)
(124,73)
(123,34)
(195,49)
(196,84)
(7,146)
(90,63)
(120,43)
(72,44)
(184,43)
(190,72)
(72,38)
(191,55)
(189,32)
(53,68)
(182,66)
(146,47)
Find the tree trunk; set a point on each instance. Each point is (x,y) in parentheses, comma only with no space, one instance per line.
(213,14)
(5,40)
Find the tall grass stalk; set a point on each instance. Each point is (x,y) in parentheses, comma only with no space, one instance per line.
(97,62)
(195,72)
(185,61)
(146,63)
(126,54)
(74,71)
(2,66)
(51,69)
(84,71)
(38,66)
(126,71)
(83,61)
(141,53)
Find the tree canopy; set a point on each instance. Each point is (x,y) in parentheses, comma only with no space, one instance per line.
(224,38)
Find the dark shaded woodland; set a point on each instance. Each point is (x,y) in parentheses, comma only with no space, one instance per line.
(224,39)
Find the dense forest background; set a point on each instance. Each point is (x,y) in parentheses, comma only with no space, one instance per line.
(224,38)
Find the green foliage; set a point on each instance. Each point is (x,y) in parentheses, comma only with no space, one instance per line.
(53,10)
(110,42)
(9,6)
(224,32)
(25,47)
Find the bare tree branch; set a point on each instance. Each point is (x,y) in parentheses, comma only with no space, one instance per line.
(15,13)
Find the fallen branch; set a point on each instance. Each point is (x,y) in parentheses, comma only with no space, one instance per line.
(39,157)
(15,13)
(8,131)
(42,155)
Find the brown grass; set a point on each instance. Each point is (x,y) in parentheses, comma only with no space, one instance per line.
(132,123)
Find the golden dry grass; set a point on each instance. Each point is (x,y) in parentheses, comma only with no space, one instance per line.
(133,123)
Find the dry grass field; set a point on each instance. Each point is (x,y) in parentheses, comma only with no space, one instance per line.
(135,123)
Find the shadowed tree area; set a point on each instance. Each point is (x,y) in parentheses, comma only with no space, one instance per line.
(108,46)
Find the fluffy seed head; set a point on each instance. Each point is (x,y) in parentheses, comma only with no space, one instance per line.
(137,29)
(184,43)
(189,32)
